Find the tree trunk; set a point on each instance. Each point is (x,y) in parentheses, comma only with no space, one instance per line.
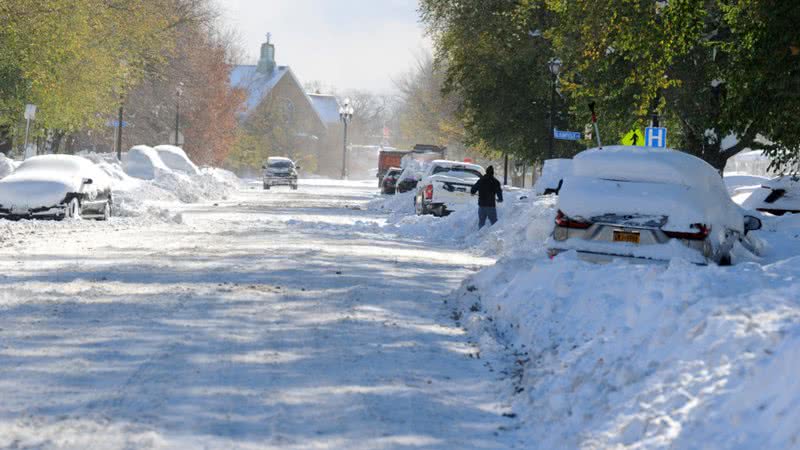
(56,143)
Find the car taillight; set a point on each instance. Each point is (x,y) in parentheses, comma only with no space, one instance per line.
(702,233)
(563,221)
(429,192)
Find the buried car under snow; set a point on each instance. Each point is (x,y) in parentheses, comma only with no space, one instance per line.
(636,202)
(56,187)
(778,196)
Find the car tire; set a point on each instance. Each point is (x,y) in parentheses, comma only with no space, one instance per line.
(419,206)
(73,210)
(106,212)
(725,260)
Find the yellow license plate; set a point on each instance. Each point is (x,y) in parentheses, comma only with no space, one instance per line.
(626,236)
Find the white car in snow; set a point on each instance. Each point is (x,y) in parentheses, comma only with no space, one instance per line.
(56,187)
(778,196)
(445,186)
(636,202)
(176,159)
(143,162)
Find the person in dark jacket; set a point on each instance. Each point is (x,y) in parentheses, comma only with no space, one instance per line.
(487,188)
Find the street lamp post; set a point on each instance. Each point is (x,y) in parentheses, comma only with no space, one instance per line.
(555,67)
(178,94)
(346,112)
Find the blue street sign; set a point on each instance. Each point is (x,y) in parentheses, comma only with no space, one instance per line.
(115,123)
(566,135)
(655,137)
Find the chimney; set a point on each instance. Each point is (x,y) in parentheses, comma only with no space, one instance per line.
(266,64)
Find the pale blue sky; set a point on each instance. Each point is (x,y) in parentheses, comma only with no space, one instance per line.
(349,44)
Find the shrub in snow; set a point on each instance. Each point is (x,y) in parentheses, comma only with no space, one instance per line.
(175,158)
(143,162)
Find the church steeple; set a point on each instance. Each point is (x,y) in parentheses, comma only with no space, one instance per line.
(266,64)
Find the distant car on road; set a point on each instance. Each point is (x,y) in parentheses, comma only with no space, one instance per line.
(389,182)
(633,202)
(445,186)
(778,196)
(280,172)
(56,187)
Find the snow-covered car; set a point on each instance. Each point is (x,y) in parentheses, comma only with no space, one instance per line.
(408,180)
(56,187)
(143,162)
(176,159)
(280,172)
(445,186)
(635,202)
(389,181)
(553,173)
(778,196)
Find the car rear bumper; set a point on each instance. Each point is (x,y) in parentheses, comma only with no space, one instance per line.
(607,258)
(280,181)
(48,213)
(595,245)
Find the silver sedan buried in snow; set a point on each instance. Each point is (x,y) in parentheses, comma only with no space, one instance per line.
(641,203)
(56,187)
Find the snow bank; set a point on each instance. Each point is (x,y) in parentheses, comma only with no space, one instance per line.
(522,219)
(135,197)
(642,356)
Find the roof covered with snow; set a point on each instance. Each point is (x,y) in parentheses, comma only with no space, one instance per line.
(258,85)
(327,107)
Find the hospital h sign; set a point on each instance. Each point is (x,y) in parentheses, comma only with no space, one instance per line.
(655,137)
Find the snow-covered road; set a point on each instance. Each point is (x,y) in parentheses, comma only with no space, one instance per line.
(267,321)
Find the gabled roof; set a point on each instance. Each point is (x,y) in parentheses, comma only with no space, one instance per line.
(256,84)
(327,107)
(259,85)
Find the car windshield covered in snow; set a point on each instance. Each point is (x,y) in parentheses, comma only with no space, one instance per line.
(457,171)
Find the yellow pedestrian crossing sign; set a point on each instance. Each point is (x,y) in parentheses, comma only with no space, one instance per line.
(634,137)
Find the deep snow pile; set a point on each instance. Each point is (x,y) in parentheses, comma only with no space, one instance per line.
(643,356)
(136,197)
(623,355)
(522,219)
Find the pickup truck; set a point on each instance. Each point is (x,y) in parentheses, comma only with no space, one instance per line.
(445,186)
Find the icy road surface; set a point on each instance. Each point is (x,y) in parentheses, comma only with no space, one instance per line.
(268,321)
